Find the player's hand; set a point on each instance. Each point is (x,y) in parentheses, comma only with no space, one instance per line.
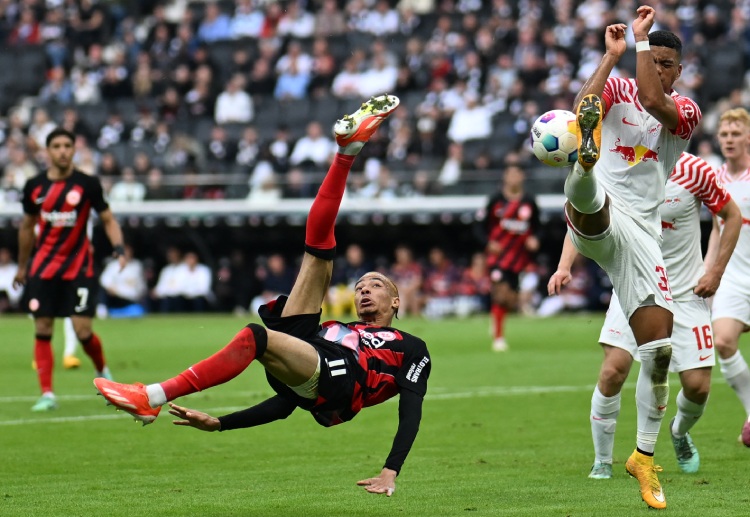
(20,278)
(707,285)
(560,278)
(385,483)
(532,243)
(493,248)
(614,39)
(642,25)
(193,418)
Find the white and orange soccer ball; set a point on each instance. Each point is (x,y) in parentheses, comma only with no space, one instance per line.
(554,138)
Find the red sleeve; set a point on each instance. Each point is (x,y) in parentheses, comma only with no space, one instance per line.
(689,115)
(698,177)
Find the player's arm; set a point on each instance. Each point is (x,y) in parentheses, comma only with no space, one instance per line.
(114,234)
(650,91)
(275,408)
(25,247)
(614,42)
(562,276)
(720,250)
(713,244)
(409,417)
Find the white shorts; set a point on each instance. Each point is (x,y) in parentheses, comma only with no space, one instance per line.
(631,258)
(692,335)
(731,301)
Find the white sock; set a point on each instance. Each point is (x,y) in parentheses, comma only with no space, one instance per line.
(583,191)
(71,340)
(688,414)
(156,395)
(104,372)
(604,411)
(652,391)
(737,374)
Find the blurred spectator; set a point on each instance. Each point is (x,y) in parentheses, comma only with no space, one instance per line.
(112,132)
(248,147)
(220,151)
(58,89)
(88,23)
(280,147)
(473,291)
(292,83)
(450,172)
(248,19)
(472,122)
(296,22)
(125,288)
(127,189)
(297,185)
(441,279)
(329,21)
(73,123)
(380,77)
(347,84)
(215,25)
(262,80)
(406,273)
(40,128)
(323,68)
(86,86)
(10,296)
(109,166)
(234,105)
(155,187)
(381,20)
(194,281)
(18,170)
(235,284)
(314,149)
(275,276)
(26,30)
(166,295)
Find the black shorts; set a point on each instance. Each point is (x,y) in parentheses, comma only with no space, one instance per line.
(338,364)
(505,276)
(58,298)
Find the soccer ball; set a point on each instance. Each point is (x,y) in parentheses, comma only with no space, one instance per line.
(553,138)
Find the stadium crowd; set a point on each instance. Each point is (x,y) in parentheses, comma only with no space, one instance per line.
(181,99)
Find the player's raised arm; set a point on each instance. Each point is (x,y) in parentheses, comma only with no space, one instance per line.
(657,67)
(614,42)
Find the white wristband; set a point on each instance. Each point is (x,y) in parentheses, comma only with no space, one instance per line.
(642,46)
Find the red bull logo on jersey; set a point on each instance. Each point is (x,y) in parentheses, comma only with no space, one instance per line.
(666,225)
(672,201)
(636,154)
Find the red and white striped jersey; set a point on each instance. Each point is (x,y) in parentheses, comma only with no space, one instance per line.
(638,153)
(693,182)
(738,268)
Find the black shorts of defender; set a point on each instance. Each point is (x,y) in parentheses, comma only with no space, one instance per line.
(337,363)
(58,298)
(505,276)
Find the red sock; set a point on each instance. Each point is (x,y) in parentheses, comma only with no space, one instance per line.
(224,365)
(325,207)
(498,316)
(93,348)
(45,361)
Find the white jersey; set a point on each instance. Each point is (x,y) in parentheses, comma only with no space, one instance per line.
(693,182)
(738,268)
(638,153)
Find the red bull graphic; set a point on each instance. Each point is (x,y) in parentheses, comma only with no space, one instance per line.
(633,155)
(667,225)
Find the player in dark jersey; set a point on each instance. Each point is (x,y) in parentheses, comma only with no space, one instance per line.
(332,370)
(60,279)
(511,221)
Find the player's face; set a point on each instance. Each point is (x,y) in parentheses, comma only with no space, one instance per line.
(667,65)
(374,298)
(61,151)
(734,139)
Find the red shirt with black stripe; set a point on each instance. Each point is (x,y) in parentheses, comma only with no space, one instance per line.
(62,207)
(510,223)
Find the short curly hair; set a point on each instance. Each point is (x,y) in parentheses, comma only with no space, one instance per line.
(665,39)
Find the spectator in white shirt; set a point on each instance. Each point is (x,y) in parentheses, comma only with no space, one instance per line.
(248,20)
(166,294)
(128,189)
(315,148)
(296,22)
(195,283)
(474,122)
(10,296)
(125,288)
(381,20)
(234,105)
(379,78)
(348,82)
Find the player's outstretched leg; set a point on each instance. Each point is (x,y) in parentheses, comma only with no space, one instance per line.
(642,468)
(353,131)
(688,458)
(589,115)
(144,402)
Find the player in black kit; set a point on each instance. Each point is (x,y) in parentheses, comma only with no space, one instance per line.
(332,369)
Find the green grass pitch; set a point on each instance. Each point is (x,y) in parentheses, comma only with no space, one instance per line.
(502,434)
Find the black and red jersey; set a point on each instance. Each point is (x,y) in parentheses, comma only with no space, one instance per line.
(63,208)
(510,223)
(388,361)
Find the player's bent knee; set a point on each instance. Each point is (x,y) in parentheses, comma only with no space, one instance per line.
(260,336)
